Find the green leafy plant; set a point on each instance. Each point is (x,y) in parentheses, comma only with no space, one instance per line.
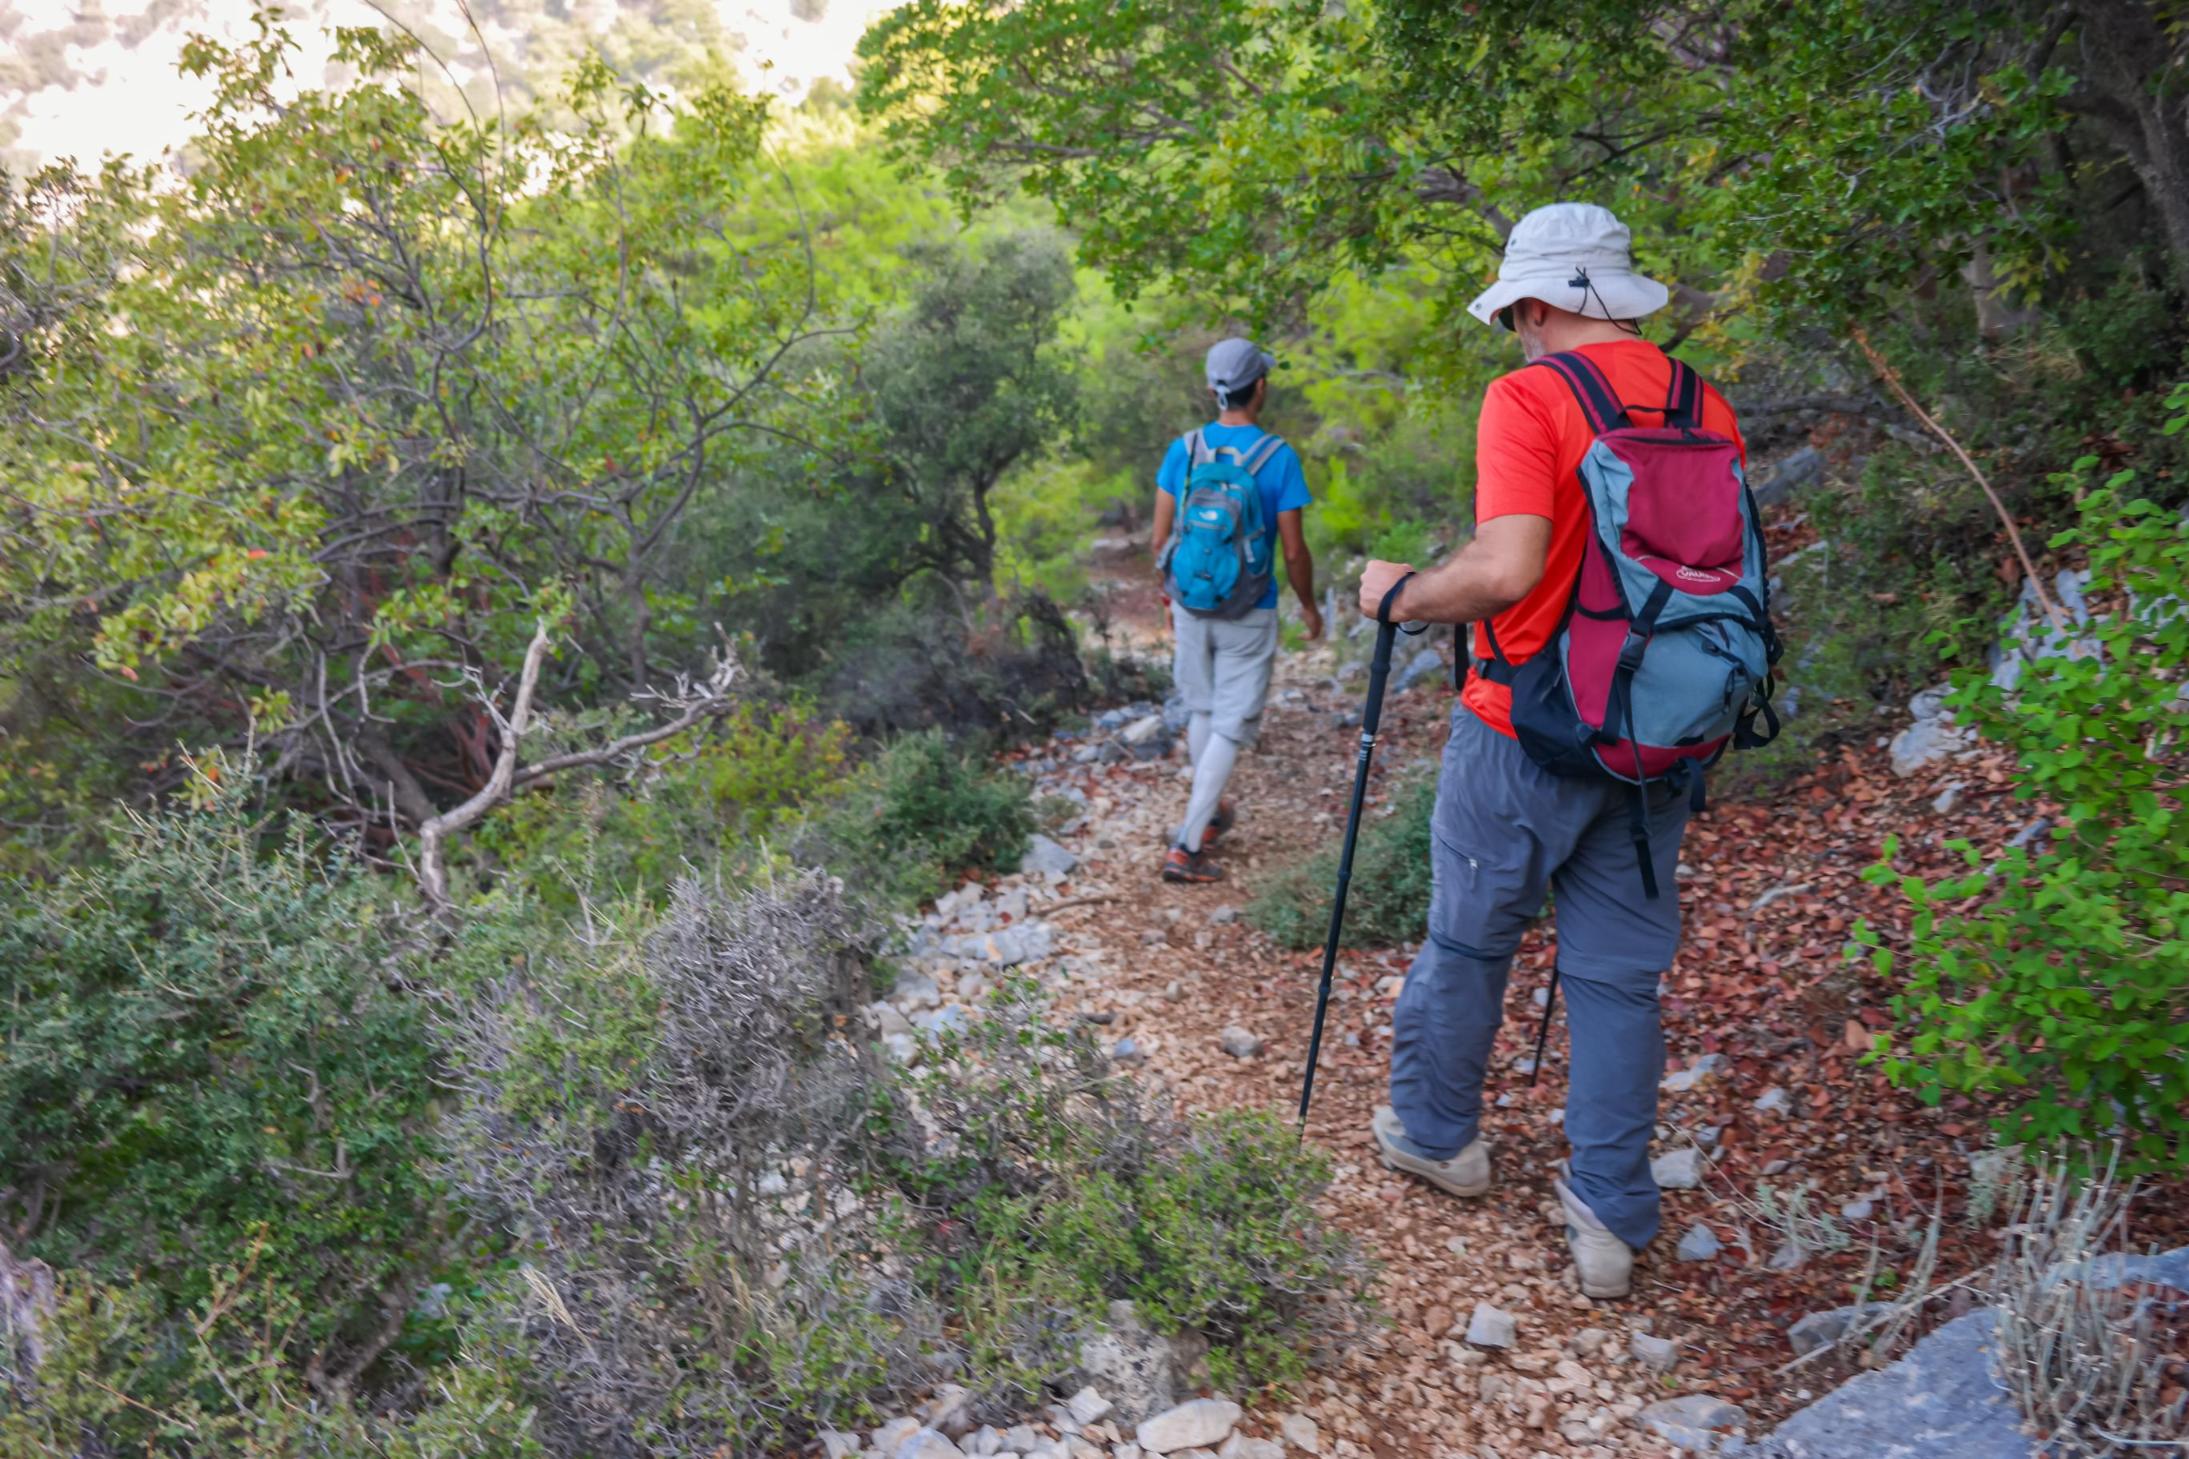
(926,810)
(205,1053)
(1389,898)
(2057,973)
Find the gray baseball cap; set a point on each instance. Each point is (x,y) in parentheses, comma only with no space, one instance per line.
(1235,364)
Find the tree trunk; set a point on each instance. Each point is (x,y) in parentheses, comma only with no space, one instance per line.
(2124,88)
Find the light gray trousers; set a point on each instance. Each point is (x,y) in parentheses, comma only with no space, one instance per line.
(1505,832)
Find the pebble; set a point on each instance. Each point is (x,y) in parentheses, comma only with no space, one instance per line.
(1773,1101)
(925,1444)
(1194,1424)
(1490,1328)
(1949,799)
(1678,1170)
(1127,1051)
(1683,1080)
(1658,1354)
(1693,1421)
(1301,1432)
(1239,1446)
(1860,1210)
(1240,1043)
(1589,1341)
(1699,1244)
(1223,916)
(1087,1407)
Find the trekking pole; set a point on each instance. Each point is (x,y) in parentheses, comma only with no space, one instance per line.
(1543,1034)
(1379,670)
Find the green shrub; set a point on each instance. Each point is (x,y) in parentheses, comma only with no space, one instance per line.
(2057,974)
(118,1378)
(926,811)
(203,1053)
(1050,1186)
(1389,898)
(695,805)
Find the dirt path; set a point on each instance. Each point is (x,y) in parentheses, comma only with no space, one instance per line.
(1771,894)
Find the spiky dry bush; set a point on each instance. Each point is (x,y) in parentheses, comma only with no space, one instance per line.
(657,1124)
(2097,1363)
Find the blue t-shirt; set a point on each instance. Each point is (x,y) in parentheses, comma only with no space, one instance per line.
(1282,484)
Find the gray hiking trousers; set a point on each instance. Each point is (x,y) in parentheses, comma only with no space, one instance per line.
(1505,832)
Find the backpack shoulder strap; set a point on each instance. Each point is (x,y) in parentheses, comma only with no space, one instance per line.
(1258,457)
(1599,406)
(1684,398)
(1197,450)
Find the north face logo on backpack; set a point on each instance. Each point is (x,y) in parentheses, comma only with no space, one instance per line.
(1665,653)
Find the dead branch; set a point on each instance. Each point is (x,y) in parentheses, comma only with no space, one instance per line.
(709,699)
(1891,377)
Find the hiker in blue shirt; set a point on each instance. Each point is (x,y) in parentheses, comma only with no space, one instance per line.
(1229,495)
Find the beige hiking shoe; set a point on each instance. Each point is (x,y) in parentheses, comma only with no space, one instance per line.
(1465,1174)
(1606,1263)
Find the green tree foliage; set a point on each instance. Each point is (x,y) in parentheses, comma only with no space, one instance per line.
(207,1060)
(2057,973)
(311,438)
(1827,152)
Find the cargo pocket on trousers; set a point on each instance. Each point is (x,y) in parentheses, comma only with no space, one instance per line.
(1479,901)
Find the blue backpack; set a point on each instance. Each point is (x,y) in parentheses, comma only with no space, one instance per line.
(1218,559)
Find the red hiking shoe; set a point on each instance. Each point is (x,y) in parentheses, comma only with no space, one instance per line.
(1226,817)
(1190,866)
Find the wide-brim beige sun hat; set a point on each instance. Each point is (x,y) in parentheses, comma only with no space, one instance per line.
(1574,256)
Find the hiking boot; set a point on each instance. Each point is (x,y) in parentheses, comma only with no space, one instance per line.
(1226,817)
(1464,1174)
(1606,1263)
(1190,866)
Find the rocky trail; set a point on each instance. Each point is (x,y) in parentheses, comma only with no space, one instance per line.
(1792,1169)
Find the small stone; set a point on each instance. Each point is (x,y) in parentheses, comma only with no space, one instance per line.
(1126,1451)
(925,1444)
(1824,1329)
(1858,1210)
(1046,855)
(1589,1341)
(1142,731)
(1925,743)
(1301,1432)
(1490,1328)
(1194,1424)
(915,990)
(889,1435)
(983,1442)
(1699,1244)
(1773,1101)
(1239,1043)
(1788,1257)
(1681,1081)
(1088,1407)
(1021,1438)
(1127,1051)
(1658,1354)
(1223,916)
(950,1410)
(1948,800)
(1239,1446)
(1678,1170)
(1695,1422)
(840,1446)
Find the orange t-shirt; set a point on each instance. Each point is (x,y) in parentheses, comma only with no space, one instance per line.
(1528,451)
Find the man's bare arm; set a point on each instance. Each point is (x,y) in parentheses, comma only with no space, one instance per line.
(1300,569)
(1166,507)
(1488,575)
